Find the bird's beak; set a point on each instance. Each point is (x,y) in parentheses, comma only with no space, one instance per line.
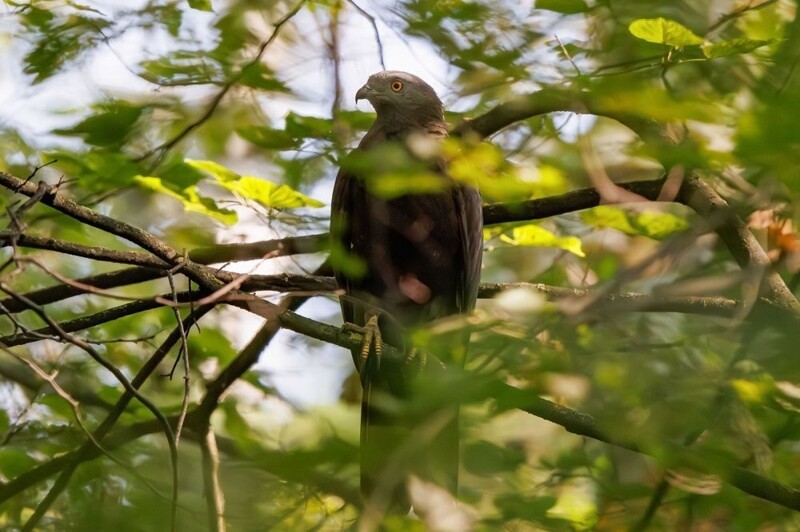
(363,93)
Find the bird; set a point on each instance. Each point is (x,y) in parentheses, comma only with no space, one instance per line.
(402,259)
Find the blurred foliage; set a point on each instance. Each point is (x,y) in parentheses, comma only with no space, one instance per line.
(230,109)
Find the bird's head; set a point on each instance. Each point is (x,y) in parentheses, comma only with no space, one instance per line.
(400,96)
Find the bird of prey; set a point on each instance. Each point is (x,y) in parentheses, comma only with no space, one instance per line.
(420,257)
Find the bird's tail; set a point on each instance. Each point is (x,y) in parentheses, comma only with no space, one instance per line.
(399,440)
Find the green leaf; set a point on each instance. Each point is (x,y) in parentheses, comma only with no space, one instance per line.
(250,187)
(342,260)
(357,119)
(536,236)
(659,225)
(14,462)
(663,31)
(110,126)
(308,126)
(528,508)
(652,224)
(182,67)
(191,199)
(5,423)
(485,459)
(712,50)
(269,194)
(259,76)
(56,40)
(219,172)
(607,216)
(98,169)
(567,7)
(272,139)
(200,5)
(393,185)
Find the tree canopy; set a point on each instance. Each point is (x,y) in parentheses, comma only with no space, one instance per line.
(170,346)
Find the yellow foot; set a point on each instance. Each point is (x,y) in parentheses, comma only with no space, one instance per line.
(413,356)
(372,337)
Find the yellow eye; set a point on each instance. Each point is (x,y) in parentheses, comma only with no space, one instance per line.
(397,85)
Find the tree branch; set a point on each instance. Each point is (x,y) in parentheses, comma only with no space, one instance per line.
(93,320)
(575,422)
(59,292)
(292,245)
(135,258)
(215,498)
(110,225)
(217,99)
(552,100)
(88,449)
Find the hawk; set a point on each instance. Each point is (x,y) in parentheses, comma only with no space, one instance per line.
(420,257)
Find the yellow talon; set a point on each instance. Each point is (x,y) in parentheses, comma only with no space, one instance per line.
(372,337)
(412,355)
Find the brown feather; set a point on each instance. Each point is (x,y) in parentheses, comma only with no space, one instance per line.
(423,256)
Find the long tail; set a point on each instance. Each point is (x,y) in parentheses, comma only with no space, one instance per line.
(395,444)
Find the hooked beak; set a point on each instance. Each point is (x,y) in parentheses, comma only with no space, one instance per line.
(363,93)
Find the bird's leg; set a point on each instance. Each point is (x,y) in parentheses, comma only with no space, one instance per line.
(415,353)
(417,360)
(371,336)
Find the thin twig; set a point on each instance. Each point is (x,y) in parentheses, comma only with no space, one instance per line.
(68,464)
(135,258)
(215,498)
(567,55)
(162,149)
(50,378)
(375,30)
(27,336)
(724,19)
(183,353)
(44,505)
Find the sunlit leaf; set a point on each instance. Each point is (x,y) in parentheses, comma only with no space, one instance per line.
(254,188)
(217,171)
(272,139)
(200,5)
(192,201)
(651,103)
(537,236)
(567,7)
(651,224)
(754,391)
(394,185)
(485,166)
(712,50)
(664,31)
(576,503)
(659,224)
(269,194)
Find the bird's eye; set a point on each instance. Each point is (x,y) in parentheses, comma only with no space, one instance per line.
(397,85)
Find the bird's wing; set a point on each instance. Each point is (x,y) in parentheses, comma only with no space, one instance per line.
(469,210)
(341,234)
